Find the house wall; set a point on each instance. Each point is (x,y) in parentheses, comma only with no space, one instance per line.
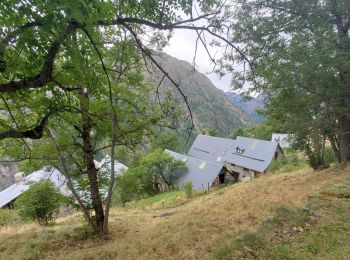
(7,174)
(6,180)
(243,172)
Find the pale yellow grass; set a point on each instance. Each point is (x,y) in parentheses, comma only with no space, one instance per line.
(191,233)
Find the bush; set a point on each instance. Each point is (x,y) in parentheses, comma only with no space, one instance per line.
(329,156)
(278,164)
(8,217)
(155,170)
(188,189)
(41,202)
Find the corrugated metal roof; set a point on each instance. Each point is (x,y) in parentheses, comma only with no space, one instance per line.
(58,179)
(211,148)
(105,165)
(257,154)
(17,189)
(199,172)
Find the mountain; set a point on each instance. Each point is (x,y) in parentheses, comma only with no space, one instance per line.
(249,106)
(210,106)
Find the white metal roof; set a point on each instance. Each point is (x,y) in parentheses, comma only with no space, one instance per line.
(56,177)
(17,189)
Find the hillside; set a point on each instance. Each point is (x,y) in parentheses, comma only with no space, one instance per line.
(249,106)
(210,106)
(205,227)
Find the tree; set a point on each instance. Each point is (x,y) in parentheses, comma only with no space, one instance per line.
(167,140)
(62,64)
(261,131)
(300,51)
(41,202)
(154,169)
(211,132)
(161,167)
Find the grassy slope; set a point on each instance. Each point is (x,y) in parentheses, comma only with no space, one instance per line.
(195,230)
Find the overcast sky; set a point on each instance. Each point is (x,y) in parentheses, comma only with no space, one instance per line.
(182,46)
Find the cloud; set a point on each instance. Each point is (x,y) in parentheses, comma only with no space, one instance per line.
(182,46)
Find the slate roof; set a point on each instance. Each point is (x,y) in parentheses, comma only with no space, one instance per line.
(199,172)
(211,148)
(257,154)
(17,189)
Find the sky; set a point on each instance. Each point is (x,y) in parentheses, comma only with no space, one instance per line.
(182,46)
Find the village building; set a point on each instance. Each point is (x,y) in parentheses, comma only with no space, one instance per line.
(9,195)
(240,159)
(200,172)
(282,139)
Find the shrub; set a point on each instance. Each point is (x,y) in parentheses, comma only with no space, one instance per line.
(278,164)
(146,179)
(188,189)
(41,202)
(8,217)
(328,155)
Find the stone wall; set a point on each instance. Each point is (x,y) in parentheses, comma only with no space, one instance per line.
(7,175)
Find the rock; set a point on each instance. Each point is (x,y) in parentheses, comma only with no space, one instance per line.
(285,231)
(247,249)
(295,229)
(165,214)
(207,197)
(300,229)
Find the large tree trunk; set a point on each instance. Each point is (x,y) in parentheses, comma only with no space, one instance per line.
(344,138)
(335,146)
(90,165)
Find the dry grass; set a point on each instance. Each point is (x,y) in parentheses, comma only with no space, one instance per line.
(191,233)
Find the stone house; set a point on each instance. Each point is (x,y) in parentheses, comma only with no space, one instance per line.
(243,158)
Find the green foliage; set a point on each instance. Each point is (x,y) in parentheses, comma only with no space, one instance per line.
(291,162)
(237,132)
(329,156)
(168,199)
(9,217)
(303,72)
(41,202)
(212,132)
(188,189)
(167,140)
(155,169)
(261,131)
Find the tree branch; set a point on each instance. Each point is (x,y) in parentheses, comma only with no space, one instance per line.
(45,76)
(35,133)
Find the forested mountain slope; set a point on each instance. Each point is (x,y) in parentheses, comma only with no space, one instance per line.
(210,106)
(250,106)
